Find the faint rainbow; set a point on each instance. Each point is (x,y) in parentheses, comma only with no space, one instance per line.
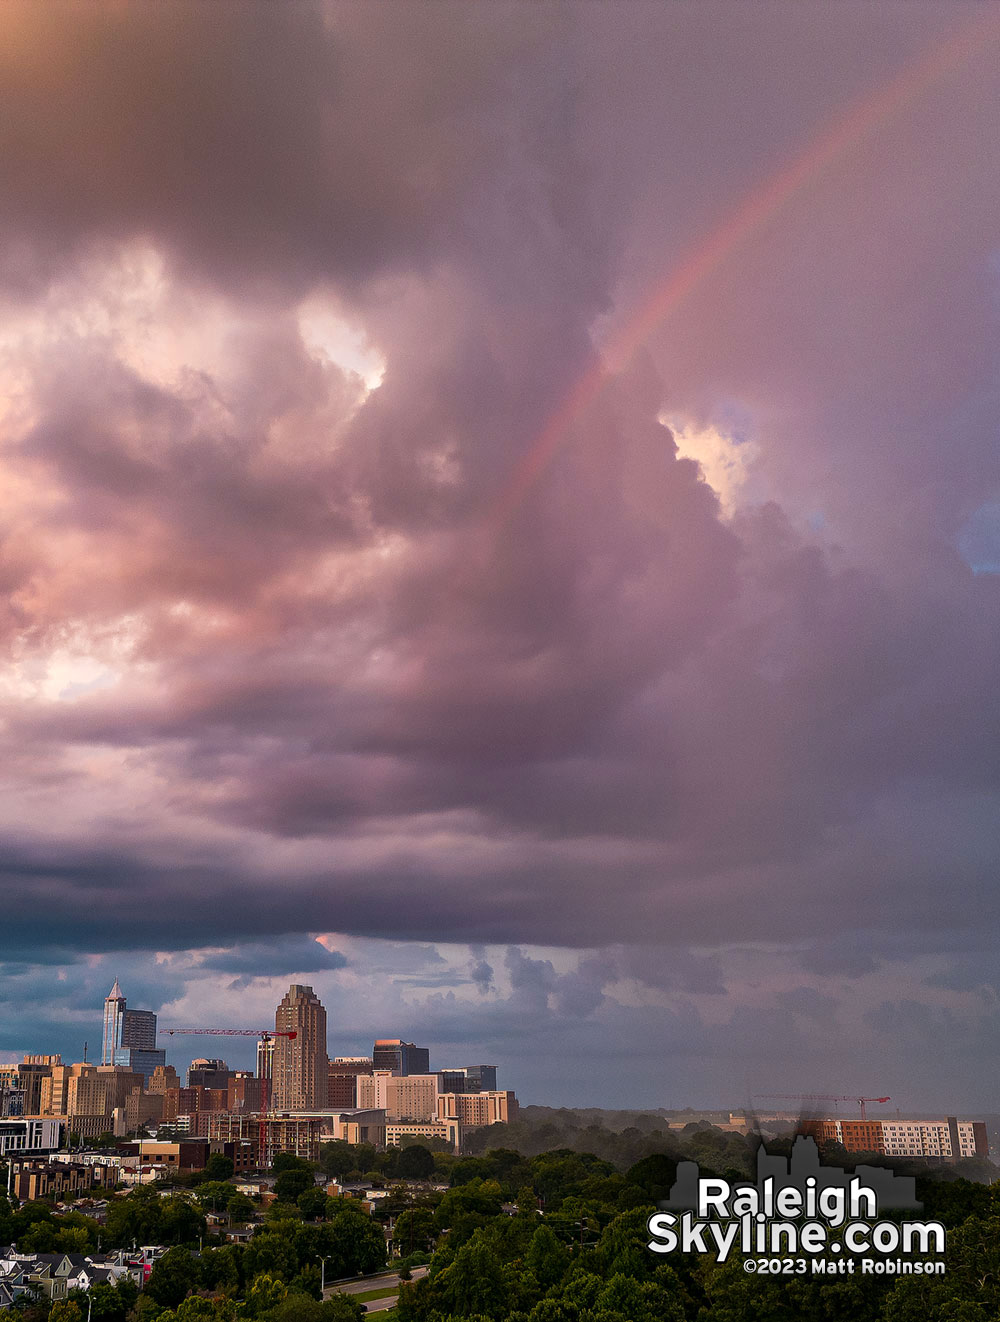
(754,211)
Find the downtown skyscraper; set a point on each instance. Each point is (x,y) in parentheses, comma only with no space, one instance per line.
(300,1063)
(129,1036)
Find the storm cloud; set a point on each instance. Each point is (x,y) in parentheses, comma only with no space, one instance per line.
(355,581)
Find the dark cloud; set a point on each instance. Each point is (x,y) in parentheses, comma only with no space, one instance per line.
(247,140)
(274,958)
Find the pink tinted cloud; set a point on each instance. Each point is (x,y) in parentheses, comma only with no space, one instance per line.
(307,679)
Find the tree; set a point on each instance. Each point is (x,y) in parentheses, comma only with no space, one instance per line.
(137,1218)
(215,1195)
(413,1231)
(271,1252)
(622,1248)
(547,1258)
(220,1268)
(109,1303)
(481,1196)
(41,1238)
(300,1308)
(312,1202)
(173,1277)
(337,1158)
(357,1241)
(291,1183)
(470,1168)
(624,1296)
(266,1293)
(287,1161)
(194,1309)
(181,1222)
(219,1167)
(147,1310)
(415,1163)
(969,1292)
(241,1207)
(66,1310)
(953,1201)
(655,1175)
(475,1281)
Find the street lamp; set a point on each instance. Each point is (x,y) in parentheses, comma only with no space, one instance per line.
(90,1304)
(322,1276)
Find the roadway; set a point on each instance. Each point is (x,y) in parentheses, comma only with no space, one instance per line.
(365,1284)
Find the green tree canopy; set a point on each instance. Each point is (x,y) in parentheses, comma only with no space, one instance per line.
(312,1202)
(173,1277)
(415,1163)
(219,1167)
(291,1183)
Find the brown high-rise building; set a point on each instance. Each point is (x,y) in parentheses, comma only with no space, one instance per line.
(164,1077)
(205,1073)
(342,1080)
(73,1090)
(246,1093)
(119,1084)
(299,1069)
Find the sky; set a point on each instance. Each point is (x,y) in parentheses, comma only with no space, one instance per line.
(500,522)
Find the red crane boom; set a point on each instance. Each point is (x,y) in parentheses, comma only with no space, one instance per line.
(823,1097)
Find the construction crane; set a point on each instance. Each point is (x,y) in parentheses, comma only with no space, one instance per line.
(822,1097)
(266,1034)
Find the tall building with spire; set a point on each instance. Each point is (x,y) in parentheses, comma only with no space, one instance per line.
(300,1063)
(129,1036)
(114,1015)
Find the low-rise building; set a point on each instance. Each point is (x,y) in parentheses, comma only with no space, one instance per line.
(33,1181)
(179,1155)
(479,1109)
(949,1139)
(30,1134)
(399,1133)
(360,1125)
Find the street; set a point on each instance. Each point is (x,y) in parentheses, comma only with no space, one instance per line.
(367,1284)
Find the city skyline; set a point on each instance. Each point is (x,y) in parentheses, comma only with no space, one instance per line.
(300,1096)
(245,1055)
(500,523)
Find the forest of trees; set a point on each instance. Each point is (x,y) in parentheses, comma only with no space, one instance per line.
(585,1259)
(514,1236)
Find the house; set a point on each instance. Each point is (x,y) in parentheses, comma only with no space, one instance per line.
(23,1274)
